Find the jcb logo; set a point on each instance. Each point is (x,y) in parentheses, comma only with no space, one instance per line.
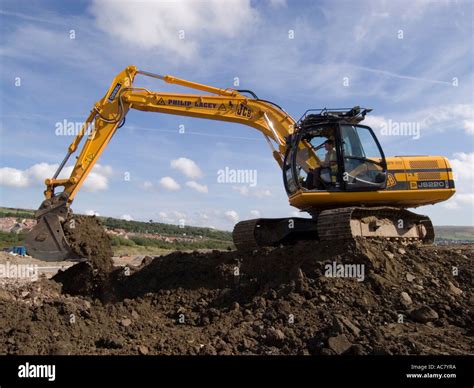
(244,111)
(391,181)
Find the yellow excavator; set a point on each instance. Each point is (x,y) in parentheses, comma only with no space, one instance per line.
(333,168)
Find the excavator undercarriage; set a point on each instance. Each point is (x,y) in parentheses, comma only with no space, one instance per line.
(335,224)
(55,235)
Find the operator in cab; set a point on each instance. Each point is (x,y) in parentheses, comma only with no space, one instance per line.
(320,177)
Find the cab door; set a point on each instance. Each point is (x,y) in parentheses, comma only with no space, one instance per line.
(363,161)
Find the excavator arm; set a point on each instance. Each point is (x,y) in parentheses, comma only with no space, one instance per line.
(47,240)
(109,114)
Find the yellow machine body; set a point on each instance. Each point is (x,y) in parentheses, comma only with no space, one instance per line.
(399,182)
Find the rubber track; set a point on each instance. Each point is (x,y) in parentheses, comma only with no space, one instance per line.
(244,235)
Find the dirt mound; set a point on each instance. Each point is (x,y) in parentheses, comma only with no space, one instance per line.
(349,298)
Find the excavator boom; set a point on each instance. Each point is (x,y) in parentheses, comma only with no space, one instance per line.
(109,114)
(47,239)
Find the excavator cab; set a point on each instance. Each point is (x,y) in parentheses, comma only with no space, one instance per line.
(330,151)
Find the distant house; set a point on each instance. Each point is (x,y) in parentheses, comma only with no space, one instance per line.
(11,224)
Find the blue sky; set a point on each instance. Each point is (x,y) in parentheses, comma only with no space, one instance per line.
(411,61)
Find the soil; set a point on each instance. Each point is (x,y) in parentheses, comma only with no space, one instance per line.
(88,238)
(407,300)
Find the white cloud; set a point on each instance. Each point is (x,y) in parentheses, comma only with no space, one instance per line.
(463,168)
(263,193)
(13,177)
(462,165)
(469,126)
(430,120)
(242,190)
(255,213)
(449,116)
(147,185)
(247,191)
(35,175)
(188,167)
(179,215)
(451,205)
(40,171)
(97,179)
(172,216)
(466,199)
(92,213)
(127,217)
(169,183)
(204,216)
(375,122)
(232,216)
(196,186)
(158,24)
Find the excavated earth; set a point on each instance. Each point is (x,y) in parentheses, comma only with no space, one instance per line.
(87,238)
(406,300)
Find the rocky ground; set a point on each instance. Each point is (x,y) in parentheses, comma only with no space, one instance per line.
(397,300)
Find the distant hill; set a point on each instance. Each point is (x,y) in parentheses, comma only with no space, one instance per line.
(132,236)
(20,213)
(455,233)
(137,226)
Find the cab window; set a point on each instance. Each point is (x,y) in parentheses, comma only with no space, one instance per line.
(364,164)
(316,159)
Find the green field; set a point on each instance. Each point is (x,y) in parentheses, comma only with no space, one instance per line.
(8,239)
(19,213)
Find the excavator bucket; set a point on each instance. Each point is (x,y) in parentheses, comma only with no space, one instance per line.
(47,241)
